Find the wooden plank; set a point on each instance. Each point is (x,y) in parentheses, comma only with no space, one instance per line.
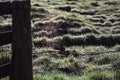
(5,70)
(5,38)
(22,42)
(5,8)
(5,0)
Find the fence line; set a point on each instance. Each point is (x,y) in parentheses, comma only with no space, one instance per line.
(20,67)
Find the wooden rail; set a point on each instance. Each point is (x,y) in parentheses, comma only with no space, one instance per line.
(5,70)
(5,8)
(5,38)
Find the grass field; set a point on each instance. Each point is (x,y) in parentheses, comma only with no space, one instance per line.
(73,39)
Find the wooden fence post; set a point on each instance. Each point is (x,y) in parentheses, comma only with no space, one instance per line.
(22,41)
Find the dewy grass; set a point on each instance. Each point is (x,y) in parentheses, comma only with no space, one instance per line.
(108,58)
(69,62)
(55,75)
(100,75)
(47,63)
(4,58)
(96,75)
(81,22)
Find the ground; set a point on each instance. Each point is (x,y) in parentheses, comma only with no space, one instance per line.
(74,39)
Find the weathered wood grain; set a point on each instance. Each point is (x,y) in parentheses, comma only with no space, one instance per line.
(5,70)
(22,42)
(5,8)
(5,38)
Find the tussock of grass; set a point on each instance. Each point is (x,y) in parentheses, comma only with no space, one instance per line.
(50,76)
(116,67)
(88,39)
(89,49)
(116,47)
(56,76)
(66,65)
(5,23)
(4,58)
(83,30)
(99,75)
(92,40)
(108,58)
